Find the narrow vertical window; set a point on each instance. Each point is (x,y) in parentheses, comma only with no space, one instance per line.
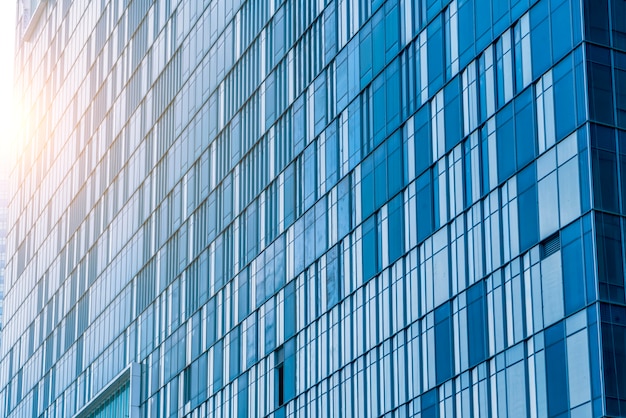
(504,67)
(452,40)
(280,376)
(470,99)
(545,112)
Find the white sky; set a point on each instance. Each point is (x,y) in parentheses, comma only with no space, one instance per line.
(7,47)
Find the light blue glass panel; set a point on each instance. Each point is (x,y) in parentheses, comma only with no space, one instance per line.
(548,204)
(552,289)
(578,369)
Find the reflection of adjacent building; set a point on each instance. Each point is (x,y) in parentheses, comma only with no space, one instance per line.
(319,208)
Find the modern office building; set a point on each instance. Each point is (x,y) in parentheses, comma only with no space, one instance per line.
(4,202)
(318,208)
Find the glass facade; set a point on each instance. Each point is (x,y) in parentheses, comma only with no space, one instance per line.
(4,203)
(400,208)
(115,406)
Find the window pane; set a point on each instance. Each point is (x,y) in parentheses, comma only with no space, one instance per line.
(370,256)
(556,371)
(527,208)
(573,269)
(443,342)
(610,263)
(477,323)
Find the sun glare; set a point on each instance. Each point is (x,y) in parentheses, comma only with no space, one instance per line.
(7,126)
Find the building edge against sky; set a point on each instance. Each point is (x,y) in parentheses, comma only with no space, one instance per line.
(7,29)
(325,208)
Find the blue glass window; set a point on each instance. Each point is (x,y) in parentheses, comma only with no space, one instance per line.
(564,98)
(353,68)
(370,248)
(320,99)
(430,404)
(392,30)
(378,40)
(425,210)
(330,33)
(394,98)
(453,113)
(613,356)
(573,267)
(443,341)
(309,180)
(501,17)
(556,370)
(597,21)
(242,396)
(343,207)
(234,356)
(217,364)
(332,155)
(368,181)
(466,31)
(431,8)
(354,133)
(365,57)
(484,160)
(539,32)
(477,323)
(620,86)
(527,208)
(423,152)
(289,371)
(299,124)
(382,174)
(396,228)
(333,285)
(435,55)
(561,24)
(604,168)
(270,100)
(483,22)
(342,79)
(619,24)
(243,294)
(379,106)
(600,84)
(622,168)
(395,172)
(610,259)
(505,136)
(290,195)
(525,130)
(290,310)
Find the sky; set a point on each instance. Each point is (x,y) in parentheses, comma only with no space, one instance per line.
(7,48)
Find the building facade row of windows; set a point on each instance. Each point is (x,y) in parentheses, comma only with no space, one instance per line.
(234,183)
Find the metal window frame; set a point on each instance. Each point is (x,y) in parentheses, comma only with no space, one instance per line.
(132,375)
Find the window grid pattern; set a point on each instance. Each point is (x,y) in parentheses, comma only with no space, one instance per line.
(319,208)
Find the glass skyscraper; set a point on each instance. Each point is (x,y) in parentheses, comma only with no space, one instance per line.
(4,201)
(317,208)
